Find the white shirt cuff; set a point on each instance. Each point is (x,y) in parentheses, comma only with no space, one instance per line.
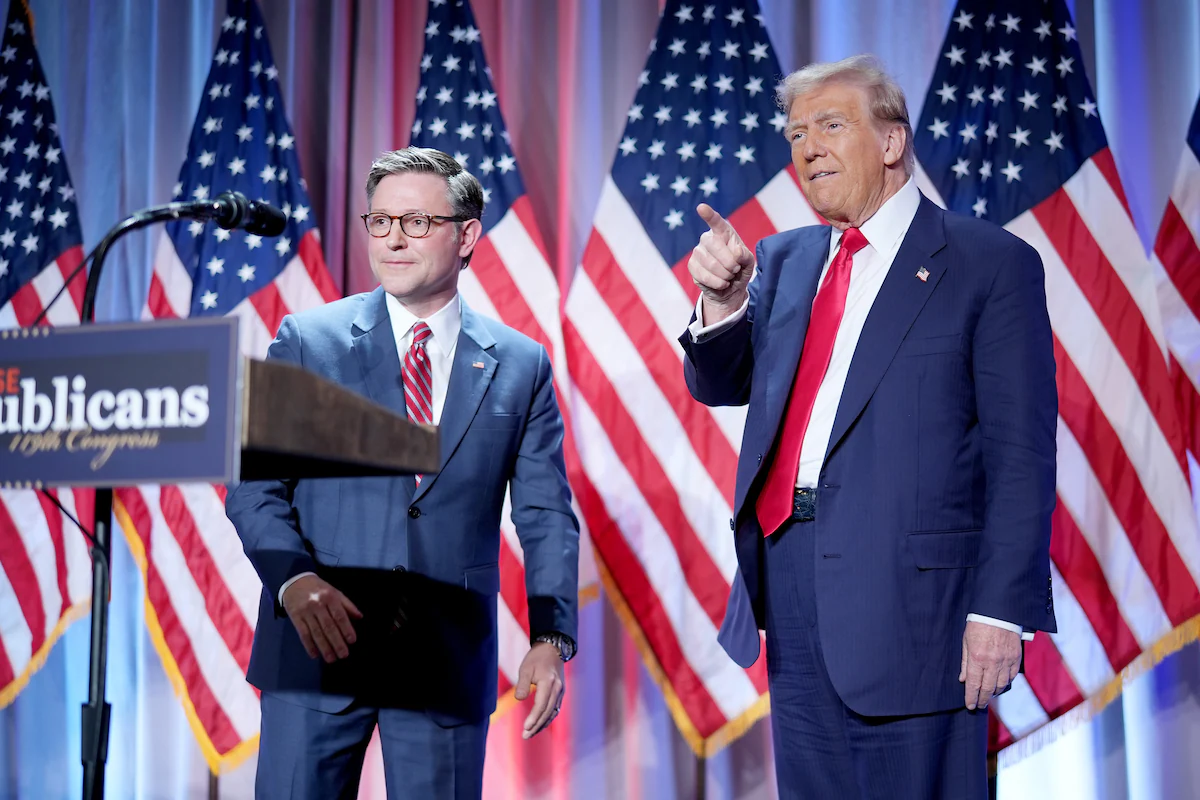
(700,332)
(289,582)
(999,623)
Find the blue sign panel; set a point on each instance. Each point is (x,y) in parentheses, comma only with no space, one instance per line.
(114,405)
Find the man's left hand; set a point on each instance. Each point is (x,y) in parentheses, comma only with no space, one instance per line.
(991,659)
(542,667)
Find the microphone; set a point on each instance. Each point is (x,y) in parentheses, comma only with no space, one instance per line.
(231,210)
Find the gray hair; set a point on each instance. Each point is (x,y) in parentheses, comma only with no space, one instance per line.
(888,105)
(463,189)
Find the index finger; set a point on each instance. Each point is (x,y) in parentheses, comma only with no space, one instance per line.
(716,223)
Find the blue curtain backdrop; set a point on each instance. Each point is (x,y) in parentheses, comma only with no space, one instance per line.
(126,75)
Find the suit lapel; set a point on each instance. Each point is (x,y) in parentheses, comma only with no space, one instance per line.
(374,345)
(897,305)
(799,275)
(470,376)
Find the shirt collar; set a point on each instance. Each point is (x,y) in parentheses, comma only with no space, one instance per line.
(444,324)
(885,230)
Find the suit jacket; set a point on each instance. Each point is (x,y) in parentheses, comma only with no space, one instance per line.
(938,483)
(420,563)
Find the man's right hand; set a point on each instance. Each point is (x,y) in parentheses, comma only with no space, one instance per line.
(321,615)
(721,265)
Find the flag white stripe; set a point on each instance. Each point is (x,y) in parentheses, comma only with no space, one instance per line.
(296,287)
(533,277)
(1186,192)
(1118,396)
(218,669)
(174,278)
(8,317)
(34,531)
(78,553)
(727,684)
(224,547)
(784,203)
(47,283)
(15,635)
(1082,652)
(1085,500)
(253,336)
(661,430)
(513,643)
(508,530)
(1104,215)
(1019,709)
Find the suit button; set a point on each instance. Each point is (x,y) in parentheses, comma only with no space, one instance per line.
(760,458)
(414,512)
(398,568)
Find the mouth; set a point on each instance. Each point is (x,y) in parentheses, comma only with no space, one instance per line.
(816,176)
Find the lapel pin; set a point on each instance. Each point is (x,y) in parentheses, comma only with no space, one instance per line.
(923,274)
(477,364)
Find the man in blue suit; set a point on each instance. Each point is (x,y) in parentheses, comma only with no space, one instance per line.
(897,472)
(379,593)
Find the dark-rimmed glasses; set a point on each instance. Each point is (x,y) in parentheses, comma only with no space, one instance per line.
(414,224)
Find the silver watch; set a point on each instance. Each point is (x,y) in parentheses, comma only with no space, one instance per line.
(566,647)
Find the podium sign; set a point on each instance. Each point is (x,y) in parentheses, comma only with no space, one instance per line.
(114,405)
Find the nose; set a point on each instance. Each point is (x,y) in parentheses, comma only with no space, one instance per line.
(396,240)
(813,148)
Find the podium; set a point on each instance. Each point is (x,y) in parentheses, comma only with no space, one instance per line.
(175,402)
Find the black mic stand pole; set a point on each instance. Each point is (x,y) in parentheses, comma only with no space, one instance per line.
(96,712)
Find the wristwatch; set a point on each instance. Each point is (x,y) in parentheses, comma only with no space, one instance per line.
(565,645)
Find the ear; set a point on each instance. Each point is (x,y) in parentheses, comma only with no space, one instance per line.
(894,143)
(472,231)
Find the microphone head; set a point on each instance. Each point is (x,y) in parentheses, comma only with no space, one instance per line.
(264,219)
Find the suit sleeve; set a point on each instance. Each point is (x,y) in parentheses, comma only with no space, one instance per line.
(718,368)
(1017,404)
(542,515)
(262,512)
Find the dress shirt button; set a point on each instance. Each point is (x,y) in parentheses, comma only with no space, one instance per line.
(414,512)
(399,568)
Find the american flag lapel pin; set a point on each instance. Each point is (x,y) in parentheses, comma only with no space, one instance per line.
(923,274)
(477,364)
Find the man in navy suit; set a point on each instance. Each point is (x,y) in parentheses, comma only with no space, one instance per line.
(897,472)
(379,593)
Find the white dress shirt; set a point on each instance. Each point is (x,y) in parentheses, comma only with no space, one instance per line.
(884,232)
(444,326)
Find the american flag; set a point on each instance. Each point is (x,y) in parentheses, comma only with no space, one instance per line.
(202,593)
(45,569)
(1010,132)
(510,278)
(703,127)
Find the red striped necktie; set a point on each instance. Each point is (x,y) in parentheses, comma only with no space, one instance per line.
(418,379)
(775,501)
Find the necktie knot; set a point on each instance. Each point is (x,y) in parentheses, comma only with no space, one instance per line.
(852,241)
(421,333)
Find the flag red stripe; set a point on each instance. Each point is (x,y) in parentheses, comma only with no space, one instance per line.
(702,576)
(1048,676)
(1079,568)
(156,301)
(310,254)
(26,305)
(15,562)
(512,584)
(54,522)
(67,263)
(212,716)
(223,610)
(752,223)
(646,608)
(1125,492)
(1180,256)
(710,444)
(498,284)
(270,307)
(1188,402)
(1108,168)
(1116,309)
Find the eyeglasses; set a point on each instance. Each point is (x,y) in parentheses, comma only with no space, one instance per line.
(414,224)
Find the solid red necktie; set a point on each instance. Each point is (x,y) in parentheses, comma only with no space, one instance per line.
(418,379)
(775,501)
